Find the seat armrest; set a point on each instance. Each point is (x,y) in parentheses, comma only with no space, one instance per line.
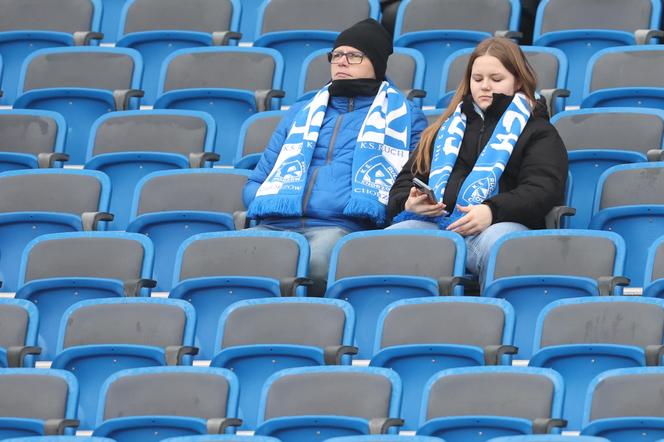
(332,354)
(175,353)
(218,425)
(132,288)
(654,355)
(264,97)
(221,38)
(56,427)
(550,95)
(198,159)
(446,284)
(545,425)
(240,219)
(415,93)
(380,425)
(121,97)
(515,35)
(46,159)
(553,219)
(91,219)
(494,353)
(606,285)
(82,38)
(289,285)
(16,354)
(643,36)
(655,155)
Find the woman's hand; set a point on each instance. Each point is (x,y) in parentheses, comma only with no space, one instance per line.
(418,202)
(476,220)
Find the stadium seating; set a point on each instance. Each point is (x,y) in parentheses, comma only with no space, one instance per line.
(314,403)
(18,333)
(127,146)
(373,269)
(255,134)
(534,268)
(548,438)
(419,337)
(103,336)
(259,337)
(214,270)
(384,438)
(110,23)
(226,438)
(653,280)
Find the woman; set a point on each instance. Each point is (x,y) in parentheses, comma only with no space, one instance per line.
(495,163)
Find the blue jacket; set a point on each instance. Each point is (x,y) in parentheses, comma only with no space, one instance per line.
(328,186)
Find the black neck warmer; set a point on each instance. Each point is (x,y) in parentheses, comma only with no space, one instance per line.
(353,88)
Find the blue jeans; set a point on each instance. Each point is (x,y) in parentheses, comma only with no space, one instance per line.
(321,242)
(478,247)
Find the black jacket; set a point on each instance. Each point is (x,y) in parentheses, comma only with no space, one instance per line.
(533,181)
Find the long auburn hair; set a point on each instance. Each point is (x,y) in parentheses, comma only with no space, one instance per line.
(511,57)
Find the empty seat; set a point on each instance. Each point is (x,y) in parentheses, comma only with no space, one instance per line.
(437,29)
(249,19)
(31,139)
(18,333)
(60,439)
(296,28)
(62,269)
(534,268)
(154,403)
(548,438)
(81,84)
(419,337)
(254,137)
(405,68)
(384,438)
(624,405)
(628,201)
(157,28)
(635,85)
(37,202)
(581,29)
(111,18)
(597,139)
(127,146)
(30,25)
(173,206)
(259,337)
(227,438)
(314,403)
(582,337)
(214,270)
(479,403)
(373,269)
(35,402)
(229,83)
(653,281)
(103,336)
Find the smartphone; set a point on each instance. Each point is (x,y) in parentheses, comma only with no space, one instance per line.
(424,188)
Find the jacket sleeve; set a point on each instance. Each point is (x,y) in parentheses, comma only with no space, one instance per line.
(541,182)
(269,157)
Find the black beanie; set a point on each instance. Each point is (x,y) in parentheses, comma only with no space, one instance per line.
(372,39)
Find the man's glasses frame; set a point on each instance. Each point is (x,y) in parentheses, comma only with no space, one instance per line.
(335,57)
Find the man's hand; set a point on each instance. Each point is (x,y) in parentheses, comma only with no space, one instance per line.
(418,202)
(476,220)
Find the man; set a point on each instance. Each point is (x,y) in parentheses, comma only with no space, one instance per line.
(332,160)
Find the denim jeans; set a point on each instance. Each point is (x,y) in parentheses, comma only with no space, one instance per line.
(478,247)
(321,242)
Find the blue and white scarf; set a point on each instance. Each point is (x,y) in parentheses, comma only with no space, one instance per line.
(482,182)
(381,150)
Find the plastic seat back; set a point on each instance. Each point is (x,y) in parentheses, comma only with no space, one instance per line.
(654,275)
(254,137)
(127,146)
(18,330)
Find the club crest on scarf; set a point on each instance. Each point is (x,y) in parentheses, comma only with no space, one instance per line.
(381,151)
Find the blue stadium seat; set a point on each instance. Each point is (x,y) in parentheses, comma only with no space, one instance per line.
(419,337)
(597,139)
(384,438)
(249,19)
(624,405)
(154,403)
(581,29)
(437,29)
(61,269)
(27,26)
(224,437)
(157,28)
(629,203)
(259,337)
(111,18)
(255,134)
(229,83)
(172,206)
(103,336)
(31,139)
(479,403)
(375,268)
(60,439)
(296,28)
(636,85)
(534,268)
(18,333)
(214,270)
(582,337)
(314,403)
(653,281)
(81,84)
(548,438)
(37,402)
(37,202)
(129,145)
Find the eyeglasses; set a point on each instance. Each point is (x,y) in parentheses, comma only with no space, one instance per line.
(351,57)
